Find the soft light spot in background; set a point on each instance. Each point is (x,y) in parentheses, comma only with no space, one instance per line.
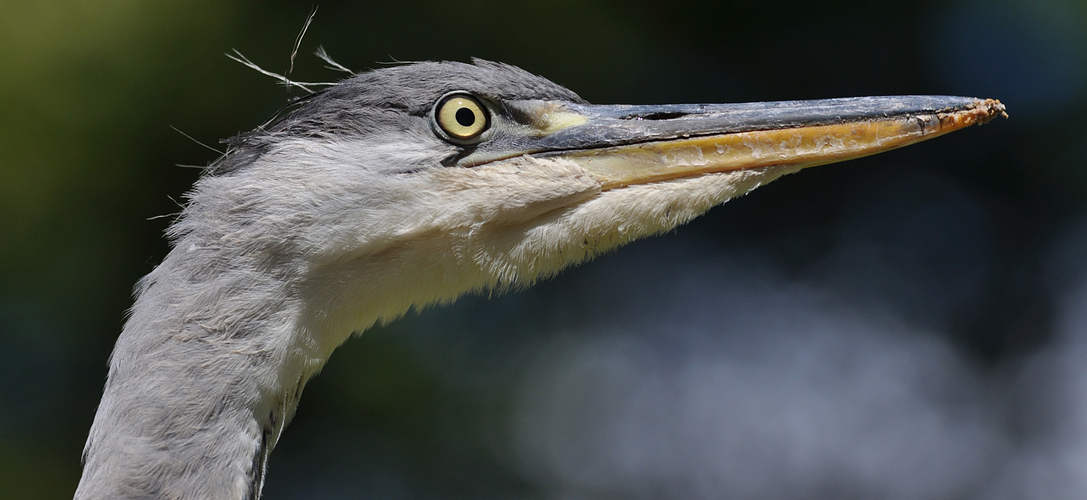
(749,386)
(740,383)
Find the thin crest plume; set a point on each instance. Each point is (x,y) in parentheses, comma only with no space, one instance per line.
(284,80)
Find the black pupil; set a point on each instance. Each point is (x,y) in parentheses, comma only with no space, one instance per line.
(465,117)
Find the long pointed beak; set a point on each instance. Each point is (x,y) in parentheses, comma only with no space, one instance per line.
(625,145)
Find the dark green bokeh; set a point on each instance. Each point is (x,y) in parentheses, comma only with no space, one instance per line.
(88,163)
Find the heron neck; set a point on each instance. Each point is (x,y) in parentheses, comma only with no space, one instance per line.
(201,382)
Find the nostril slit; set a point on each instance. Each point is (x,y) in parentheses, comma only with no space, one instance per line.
(656,116)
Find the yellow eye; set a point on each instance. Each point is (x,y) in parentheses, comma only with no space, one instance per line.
(462,117)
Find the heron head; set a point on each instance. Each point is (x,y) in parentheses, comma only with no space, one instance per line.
(468,176)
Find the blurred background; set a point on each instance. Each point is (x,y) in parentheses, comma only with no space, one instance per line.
(911,325)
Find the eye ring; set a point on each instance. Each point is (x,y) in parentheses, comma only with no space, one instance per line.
(462,118)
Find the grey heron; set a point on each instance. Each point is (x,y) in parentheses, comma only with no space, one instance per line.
(408,186)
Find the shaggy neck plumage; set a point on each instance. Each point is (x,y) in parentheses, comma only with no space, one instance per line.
(225,333)
(201,383)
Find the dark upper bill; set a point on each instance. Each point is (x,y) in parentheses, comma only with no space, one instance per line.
(625,145)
